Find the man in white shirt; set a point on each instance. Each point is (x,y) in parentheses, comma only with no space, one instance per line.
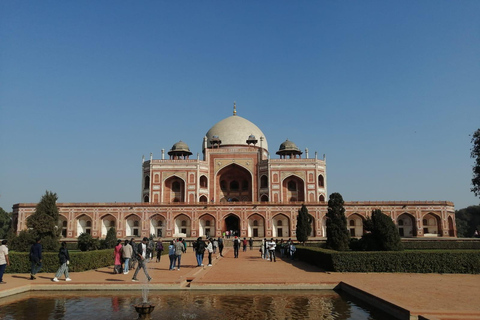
(271,249)
(143,253)
(4,261)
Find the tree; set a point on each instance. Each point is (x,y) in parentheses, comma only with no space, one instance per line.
(43,224)
(111,238)
(5,223)
(475,154)
(468,220)
(304,224)
(383,234)
(337,233)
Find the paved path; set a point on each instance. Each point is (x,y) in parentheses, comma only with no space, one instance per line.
(435,296)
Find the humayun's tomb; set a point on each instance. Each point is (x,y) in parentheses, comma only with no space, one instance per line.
(236,186)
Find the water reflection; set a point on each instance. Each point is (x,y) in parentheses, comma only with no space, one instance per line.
(173,305)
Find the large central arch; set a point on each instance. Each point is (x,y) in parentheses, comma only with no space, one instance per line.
(234,183)
(232,223)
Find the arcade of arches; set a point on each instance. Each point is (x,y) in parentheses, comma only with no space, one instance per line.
(255,224)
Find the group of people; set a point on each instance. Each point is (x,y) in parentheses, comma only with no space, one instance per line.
(130,254)
(175,250)
(268,249)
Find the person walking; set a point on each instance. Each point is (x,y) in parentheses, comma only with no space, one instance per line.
(35,258)
(236,246)
(171,255)
(244,242)
(210,251)
(143,252)
(262,249)
(159,249)
(179,249)
(250,243)
(271,250)
(117,256)
(133,260)
(215,245)
(64,259)
(220,246)
(4,260)
(127,252)
(199,247)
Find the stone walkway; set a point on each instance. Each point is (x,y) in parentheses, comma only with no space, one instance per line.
(408,296)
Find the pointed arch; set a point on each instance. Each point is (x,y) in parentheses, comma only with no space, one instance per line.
(280,226)
(355,225)
(63,225)
(157,225)
(84,224)
(132,225)
(235,182)
(182,224)
(174,189)
(207,225)
(108,221)
(293,189)
(432,225)
(231,223)
(406,225)
(256,226)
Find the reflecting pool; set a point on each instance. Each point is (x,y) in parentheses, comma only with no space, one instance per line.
(202,305)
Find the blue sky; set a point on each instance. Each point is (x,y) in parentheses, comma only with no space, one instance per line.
(388,90)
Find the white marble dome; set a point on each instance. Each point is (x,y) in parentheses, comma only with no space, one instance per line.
(236,130)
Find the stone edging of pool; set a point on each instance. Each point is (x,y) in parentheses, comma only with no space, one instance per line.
(379,303)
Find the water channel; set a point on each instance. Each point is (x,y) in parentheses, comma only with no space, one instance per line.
(187,305)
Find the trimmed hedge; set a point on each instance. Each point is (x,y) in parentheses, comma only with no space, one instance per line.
(79,261)
(436,261)
(440,244)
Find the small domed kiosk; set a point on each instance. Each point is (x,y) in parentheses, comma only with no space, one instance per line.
(289,149)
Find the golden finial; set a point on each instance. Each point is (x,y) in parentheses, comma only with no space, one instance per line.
(234,109)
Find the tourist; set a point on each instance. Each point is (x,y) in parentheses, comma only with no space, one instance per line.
(250,243)
(171,255)
(179,249)
(220,246)
(236,246)
(215,245)
(289,243)
(143,252)
(127,252)
(262,249)
(282,248)
(292,250)
(210,251)
(265,249)
(151,247)
(271,250)
(117,256)
(159,249)
(133,260)
(64,259)
(35,258)
(199,247)
(4,261)
(244,242)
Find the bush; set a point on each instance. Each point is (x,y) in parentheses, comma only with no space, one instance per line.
(424,261)
(86,242)
(79,261)
(442,244)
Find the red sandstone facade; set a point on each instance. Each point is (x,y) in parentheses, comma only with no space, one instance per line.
(236,186)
